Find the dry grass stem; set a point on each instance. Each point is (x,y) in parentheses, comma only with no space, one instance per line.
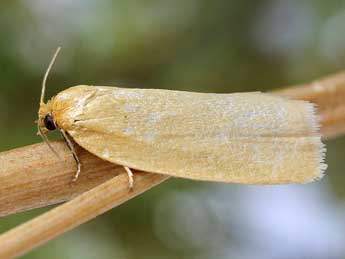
(32,177)
(73,213)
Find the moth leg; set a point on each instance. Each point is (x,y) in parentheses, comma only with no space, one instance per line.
(130,177)
(75,156)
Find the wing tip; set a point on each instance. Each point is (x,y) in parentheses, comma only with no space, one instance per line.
(320,147)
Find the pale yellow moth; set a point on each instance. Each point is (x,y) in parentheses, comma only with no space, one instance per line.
(249,138)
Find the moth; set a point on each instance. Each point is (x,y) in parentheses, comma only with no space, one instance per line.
(248,138)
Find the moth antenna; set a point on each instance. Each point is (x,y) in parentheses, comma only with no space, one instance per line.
(46,140)
(43,92)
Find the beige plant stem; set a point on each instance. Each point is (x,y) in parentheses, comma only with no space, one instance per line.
(73,213)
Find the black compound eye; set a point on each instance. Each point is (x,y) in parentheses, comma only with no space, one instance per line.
(49,122)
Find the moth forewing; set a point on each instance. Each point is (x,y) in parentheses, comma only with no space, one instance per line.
(242,137)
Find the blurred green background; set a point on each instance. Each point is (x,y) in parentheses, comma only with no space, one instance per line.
(208,46)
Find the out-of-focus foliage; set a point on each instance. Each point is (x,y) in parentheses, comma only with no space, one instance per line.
(209,46)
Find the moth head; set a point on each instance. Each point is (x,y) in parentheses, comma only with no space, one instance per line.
(46,121)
